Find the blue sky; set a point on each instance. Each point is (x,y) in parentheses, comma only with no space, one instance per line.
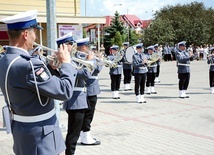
(142,8)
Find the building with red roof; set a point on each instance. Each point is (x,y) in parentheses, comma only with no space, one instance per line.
(130,21)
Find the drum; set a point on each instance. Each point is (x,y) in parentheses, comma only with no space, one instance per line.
(130,51)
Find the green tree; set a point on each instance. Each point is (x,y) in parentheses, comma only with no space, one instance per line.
(190,22)
(132,37)
(84,34)
(117,39)
(110,32)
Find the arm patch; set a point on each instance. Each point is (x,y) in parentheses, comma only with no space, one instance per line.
(42,74)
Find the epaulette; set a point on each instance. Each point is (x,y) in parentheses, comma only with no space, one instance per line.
(27,57)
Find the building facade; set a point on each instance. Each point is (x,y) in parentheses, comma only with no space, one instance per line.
(67,16)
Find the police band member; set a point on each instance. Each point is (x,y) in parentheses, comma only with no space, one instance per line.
(30,89)
(167,53)
(93,89)
(152,70)
(127,68)
(159,53)
(115,72)
(183,63)
(77,105)
(140,73)
(210,61)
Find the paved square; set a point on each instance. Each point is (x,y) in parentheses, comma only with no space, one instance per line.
(165,125)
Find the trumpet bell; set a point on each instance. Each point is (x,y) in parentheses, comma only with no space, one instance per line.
(1,49)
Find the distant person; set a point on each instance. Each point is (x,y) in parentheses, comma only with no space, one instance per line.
(183,63)
(127,68)
(115,72)
(140,73)
(167,53)
(210,61)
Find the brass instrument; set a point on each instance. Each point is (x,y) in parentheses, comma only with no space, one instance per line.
(154,58)
(90,65)
(113,63)
(1,49)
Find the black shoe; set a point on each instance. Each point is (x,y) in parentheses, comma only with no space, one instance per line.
(153,92)
(115,97)
(182,97)
(186,97)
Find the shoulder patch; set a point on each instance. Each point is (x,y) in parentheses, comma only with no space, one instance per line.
(42,74)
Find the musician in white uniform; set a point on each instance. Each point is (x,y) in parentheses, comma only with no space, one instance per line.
(152,70)
(210,61)
(127,68)
(159,53)
(115,72)
(140,73)
(183,63)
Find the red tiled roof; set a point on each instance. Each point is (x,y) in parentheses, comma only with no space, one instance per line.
(134,20)
(108,20)
(145,23)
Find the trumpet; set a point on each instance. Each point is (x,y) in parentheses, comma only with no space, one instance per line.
(1,49)
(90,65)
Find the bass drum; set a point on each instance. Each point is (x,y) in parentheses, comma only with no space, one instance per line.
(130,51)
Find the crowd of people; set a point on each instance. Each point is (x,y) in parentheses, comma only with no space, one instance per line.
(71,71)
(200,52)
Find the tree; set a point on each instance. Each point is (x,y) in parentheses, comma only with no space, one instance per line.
(117,39)
(191,22)
(84,34)
(132,37)
(110,32)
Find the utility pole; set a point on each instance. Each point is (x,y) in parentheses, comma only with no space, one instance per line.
(51,23)
(51,43)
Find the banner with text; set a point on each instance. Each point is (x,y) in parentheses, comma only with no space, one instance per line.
(75,29)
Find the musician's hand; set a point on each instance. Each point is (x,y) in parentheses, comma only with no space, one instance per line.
(90,55)
(63,55)
(53,65)
(145,61)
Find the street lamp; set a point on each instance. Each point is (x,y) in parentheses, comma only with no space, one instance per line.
(116,5)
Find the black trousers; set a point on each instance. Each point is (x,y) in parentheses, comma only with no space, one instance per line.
(89,113)
(115,82)
(183,80)
(167,57)
(140,80)
(211,78)
(75,120)
(150,79)
(127,76)
(158,71)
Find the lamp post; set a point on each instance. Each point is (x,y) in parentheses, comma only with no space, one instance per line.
(116,5)
(85,7)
